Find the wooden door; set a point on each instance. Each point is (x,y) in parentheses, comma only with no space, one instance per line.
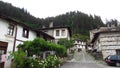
(3,49)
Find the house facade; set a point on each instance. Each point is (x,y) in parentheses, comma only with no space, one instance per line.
(13,33)
(94,31)
(79,45)
(58,32)
(107,42)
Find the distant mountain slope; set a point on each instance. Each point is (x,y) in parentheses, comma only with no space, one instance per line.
(19,14)
(79,22)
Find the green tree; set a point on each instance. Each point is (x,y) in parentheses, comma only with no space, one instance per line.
(79,22)
(80,36)
(18,58)
(113,22)
(39,45)
(66,43)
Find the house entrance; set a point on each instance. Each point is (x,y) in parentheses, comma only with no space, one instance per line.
(3,49)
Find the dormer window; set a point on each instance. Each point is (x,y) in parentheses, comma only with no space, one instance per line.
(25,33)
(10,29)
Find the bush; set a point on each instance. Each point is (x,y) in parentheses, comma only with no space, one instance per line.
(35,47)
(39,45)
(29,62)
(18,59)
(50,61)
(65,42)
(33,63)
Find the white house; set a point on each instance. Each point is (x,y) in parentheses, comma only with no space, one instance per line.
(13,33)
(58,32)
(107,41)
(79,45)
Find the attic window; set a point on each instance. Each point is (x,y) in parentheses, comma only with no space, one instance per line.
(25,33)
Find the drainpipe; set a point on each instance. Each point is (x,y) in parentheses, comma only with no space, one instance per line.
(15,39)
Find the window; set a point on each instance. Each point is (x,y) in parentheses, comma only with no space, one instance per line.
(10,30)
(57,32)
(118,51)
(63,33)
(25,32)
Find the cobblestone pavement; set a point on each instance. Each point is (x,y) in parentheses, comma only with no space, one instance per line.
(84,60)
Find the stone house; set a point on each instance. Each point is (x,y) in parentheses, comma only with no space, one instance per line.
(107,41)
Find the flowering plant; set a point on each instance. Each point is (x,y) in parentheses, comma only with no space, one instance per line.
(52,61)
(49,62)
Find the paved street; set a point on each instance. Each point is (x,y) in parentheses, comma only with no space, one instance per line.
(83,60)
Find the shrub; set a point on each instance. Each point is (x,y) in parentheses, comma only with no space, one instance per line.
(18,58)
(39,45)
(33,63)
(50,61)
(21,61)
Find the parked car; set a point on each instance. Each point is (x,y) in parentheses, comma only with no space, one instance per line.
(113,60)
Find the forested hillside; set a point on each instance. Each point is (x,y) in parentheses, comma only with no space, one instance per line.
(19,14)
(79,22)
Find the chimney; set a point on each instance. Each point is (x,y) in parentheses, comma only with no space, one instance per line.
(51,24)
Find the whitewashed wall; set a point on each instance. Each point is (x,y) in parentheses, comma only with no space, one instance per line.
(65,36)
(32,36)
(50,32)
(10,39)
(79,44)
(6,38)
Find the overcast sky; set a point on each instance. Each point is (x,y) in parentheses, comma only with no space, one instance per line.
(106,9)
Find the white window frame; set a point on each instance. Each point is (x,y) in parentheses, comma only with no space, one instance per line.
(10,30)
(57,32)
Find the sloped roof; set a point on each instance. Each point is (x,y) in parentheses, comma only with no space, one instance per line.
(106,30)
(58,27)
(12,20)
